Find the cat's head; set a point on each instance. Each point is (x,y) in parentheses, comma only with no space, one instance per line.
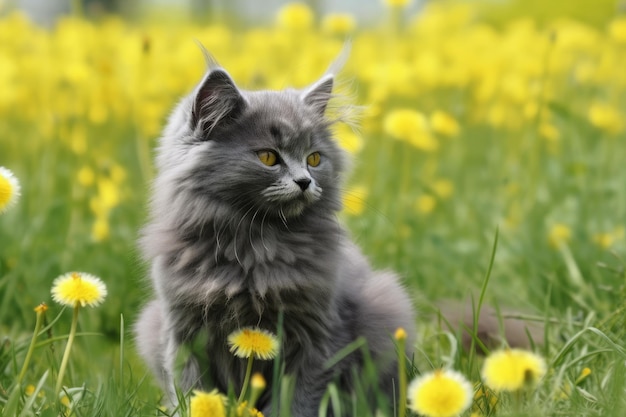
(229,152)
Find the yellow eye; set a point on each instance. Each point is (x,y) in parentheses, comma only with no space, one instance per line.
(314,159)
(269,158)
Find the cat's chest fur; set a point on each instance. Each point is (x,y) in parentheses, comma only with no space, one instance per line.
(242,273)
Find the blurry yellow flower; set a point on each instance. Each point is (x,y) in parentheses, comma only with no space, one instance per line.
(97,113)
(244,411)
(29,390)
(559,234)
(108,193)
(512,369)
(530,110)
(354,200)
(118,174)
(400,334)
(583,375)
(255,342)
(411,126)
(41,308)
(340,24)
(403,123)
(424,141)
(100,230)
(396,3)
(426,204)
(444,124)
(347,139)
(549,132)
(76,288)
(617,29)
(443,188)
(78,140)
(66,401)
(607,239)
(443,393)
(484,398)
(205,404)
(86,176)
(295,16)
(258,382)
(9,189)
(606,117)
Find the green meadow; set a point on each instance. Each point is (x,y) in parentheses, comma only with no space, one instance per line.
(489,169)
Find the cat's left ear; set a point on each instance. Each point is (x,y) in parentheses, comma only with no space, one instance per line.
(318,95)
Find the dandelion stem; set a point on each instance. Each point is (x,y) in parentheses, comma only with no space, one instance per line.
(246,380)
(68,348)
(402,377)
(31,348)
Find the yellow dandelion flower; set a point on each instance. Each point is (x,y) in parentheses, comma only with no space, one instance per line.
(396,3)
(354,200)
(204,404)
(243,410)
(41,308)
(411,126)
(295,16)
(617,29)
(109,193)
(444,124)
(512,369)
(100,230)
(29,390)
(340,24)
(78,288)
(255,342)
(549,132)
(606,117)
(347,139)
(402,124)
(400,334)
(66,401)
(604,240)
(258,382)
(443,188)
(86,176)
(583,375)
(9,189)
(118,174)
(443,393)
(426,204)
(559,234)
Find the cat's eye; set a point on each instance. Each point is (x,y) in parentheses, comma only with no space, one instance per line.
(269,158)
(314,159)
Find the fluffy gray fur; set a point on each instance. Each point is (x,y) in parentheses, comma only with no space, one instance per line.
(234,243)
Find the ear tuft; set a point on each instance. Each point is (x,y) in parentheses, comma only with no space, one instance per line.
(318,95)
(217,101)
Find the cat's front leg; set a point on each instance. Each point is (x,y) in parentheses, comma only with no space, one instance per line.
(158,345)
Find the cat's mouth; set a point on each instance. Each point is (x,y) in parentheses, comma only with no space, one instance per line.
(293,205)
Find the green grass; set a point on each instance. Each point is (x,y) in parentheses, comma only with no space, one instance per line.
(509,183)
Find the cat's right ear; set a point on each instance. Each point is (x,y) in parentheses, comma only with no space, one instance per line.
(217,101)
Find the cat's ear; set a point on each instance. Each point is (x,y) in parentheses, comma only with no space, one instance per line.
(318,95)
(217,100)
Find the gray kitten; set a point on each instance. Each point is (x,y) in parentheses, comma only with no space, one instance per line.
(243,228)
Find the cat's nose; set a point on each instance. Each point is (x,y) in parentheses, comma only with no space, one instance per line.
(303,183)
